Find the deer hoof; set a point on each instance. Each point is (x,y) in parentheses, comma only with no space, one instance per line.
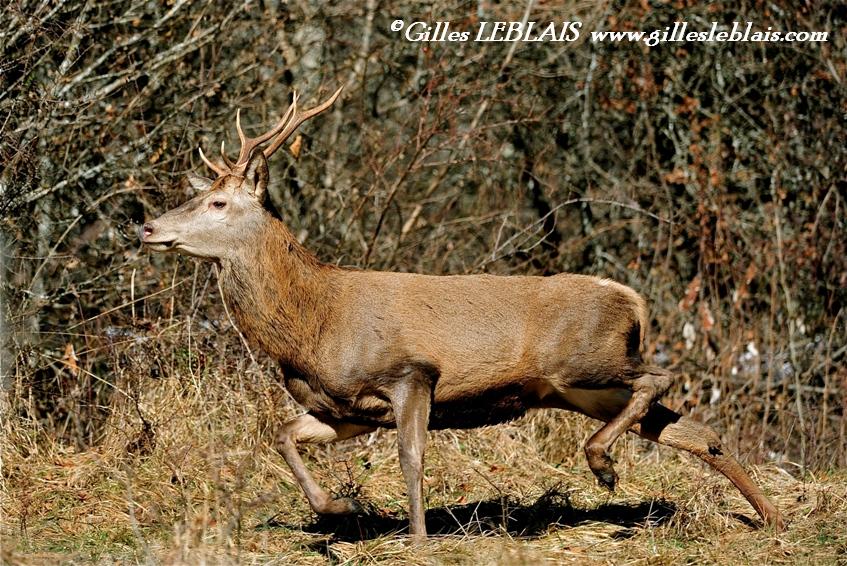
(607,479)
(341,506)
(602,466)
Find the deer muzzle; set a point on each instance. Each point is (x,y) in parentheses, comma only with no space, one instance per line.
(152,238)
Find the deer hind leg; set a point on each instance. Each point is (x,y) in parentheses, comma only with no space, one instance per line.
(671,429)
(646,389)
(309,428)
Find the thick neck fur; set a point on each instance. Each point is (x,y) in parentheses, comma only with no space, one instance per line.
(279,294)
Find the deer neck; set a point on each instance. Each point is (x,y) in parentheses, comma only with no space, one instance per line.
(278,292)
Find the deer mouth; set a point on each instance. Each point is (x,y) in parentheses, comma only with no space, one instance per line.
(157,245)
(162,246)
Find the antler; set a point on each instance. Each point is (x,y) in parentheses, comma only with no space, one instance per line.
(280,132)
(298,119)
(221,170)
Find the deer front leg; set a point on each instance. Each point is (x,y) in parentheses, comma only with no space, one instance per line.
(411,402)
(646,389)
(309,428)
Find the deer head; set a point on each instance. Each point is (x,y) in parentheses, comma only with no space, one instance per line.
(230,208)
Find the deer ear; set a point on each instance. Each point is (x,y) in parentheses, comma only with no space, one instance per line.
(197,182)
(256,175)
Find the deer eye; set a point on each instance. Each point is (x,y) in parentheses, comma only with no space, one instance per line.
(219,204)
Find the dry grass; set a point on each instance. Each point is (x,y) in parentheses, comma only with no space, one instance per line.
(201,489)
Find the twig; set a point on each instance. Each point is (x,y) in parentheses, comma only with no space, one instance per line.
(436,181)
(792,320)
(124,305)
(539,222)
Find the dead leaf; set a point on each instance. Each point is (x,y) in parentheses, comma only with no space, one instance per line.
(750,273)
(296,146)
(691,293)
(707,321)
(676,177)
(689,105)
(70,360)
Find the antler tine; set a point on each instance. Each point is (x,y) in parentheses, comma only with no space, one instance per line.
(298,119)
(248,144)
(241,135)
(220,170)
(229,163)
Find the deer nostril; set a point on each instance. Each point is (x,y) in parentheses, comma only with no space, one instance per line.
(147,230)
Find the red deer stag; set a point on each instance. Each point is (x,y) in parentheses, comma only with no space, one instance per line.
(367,349)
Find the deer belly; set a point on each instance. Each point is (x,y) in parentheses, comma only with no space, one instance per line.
(601,404)
(486,408)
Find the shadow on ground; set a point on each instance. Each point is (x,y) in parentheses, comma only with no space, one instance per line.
(554,508)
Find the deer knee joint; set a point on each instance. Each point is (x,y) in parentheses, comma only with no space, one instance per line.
(310,429)
(285,438)
(654,381)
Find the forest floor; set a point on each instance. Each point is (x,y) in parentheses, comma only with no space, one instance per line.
(197,488)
